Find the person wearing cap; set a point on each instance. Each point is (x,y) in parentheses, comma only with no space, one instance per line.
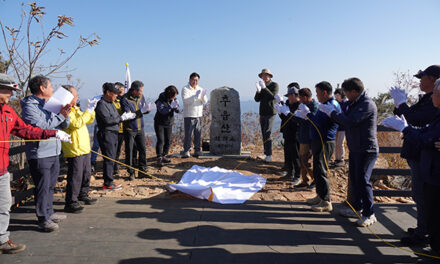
(193,98)
(265,95)
(429,165)
(289,128)
(323,145)
(43,157)
(360,123)
(134,101)
(77,155)
(12,124)
(108,119)
(418,115)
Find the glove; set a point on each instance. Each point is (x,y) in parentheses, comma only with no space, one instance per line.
(63,136)
(128,116)
(92,105)
(300,114)
(399,96)
(278,108)
(198,92)
(326,108)
(285,110)
(395,122)
(174,104)
(258,87)
(203,93)
(262,84)
(150,107)
(304,109)
(279,98)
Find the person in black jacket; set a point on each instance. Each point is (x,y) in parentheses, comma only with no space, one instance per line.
(166,106)
(108,119)
(429,166)
(266,91)
(360,123)
(418,115)
(289,128)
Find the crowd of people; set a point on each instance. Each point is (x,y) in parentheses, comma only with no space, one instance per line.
(312,132)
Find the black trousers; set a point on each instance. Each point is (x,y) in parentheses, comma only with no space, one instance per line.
(319,167)
(163,134)
(118,149)
(108,141)
(44,173)
(135,139)
(78,177)
(291,155)
(432,210)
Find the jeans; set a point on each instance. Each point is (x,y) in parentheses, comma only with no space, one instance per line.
(44,172)
(5,205)
(95,146)
(320,168)
(192,124)
(360,167)
(266,123)
(417,194)
(163,134)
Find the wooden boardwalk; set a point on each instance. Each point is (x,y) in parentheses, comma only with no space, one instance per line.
(171,230)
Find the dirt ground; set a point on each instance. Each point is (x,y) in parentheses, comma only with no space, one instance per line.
(275,189)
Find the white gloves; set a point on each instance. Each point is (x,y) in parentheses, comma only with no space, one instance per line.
(300,114)
(395,122)
(285,110)
(198,92)
(174,104)
(278,108)
(63,136)
(128,116)
(92,105)
(279,98)
(257,85)
(262,84)
(203,93)
(147,107)
(326,108)
(399,95)
(304,109)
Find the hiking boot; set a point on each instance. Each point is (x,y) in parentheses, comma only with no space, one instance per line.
(367,220)
(323,206)
(132,176)
(312,186)
(302,185)
(160,161)
(185,154)
(166,159)
(10,247)
(268,158)
(314,200)
(287,177)
(112,187)
(48,226)
(295,181)
(74,207)
(87,200)
(349,213)
(414,240)
(56,218)
(197,154)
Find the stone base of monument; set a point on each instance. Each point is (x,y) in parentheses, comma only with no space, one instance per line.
(207,155)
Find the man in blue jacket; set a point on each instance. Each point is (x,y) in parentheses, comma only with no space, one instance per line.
(429,166)
(360,123)
(323,145)
(43,156)
(418,115)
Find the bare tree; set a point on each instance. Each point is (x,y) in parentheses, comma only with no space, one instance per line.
(25,52)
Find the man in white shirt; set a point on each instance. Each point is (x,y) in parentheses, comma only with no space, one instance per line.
(193,97)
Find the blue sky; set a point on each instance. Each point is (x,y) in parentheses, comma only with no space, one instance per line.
(229,42)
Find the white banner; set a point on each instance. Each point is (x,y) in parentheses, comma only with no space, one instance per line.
(218,185)
(127,78)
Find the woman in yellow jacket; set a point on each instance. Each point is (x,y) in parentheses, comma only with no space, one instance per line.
(77,155)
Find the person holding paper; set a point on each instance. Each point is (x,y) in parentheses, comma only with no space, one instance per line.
(108,119)
(193,97)
(77,155)
(43,156)
(134,134)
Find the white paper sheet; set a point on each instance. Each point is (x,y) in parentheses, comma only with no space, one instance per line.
(59,98)
(219,185)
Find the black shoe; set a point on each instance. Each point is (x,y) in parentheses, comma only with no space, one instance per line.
(87,200)
(281,173)
(411,230)
(160,161)
(301,185)
(414,240)
(287,177)
(132,176)
(295,181)
(166,159)
(74,207)
(312,186)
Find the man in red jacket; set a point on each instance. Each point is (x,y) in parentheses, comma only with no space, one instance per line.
(10,123)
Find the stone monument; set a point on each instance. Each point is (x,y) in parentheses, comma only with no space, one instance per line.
(225,130)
